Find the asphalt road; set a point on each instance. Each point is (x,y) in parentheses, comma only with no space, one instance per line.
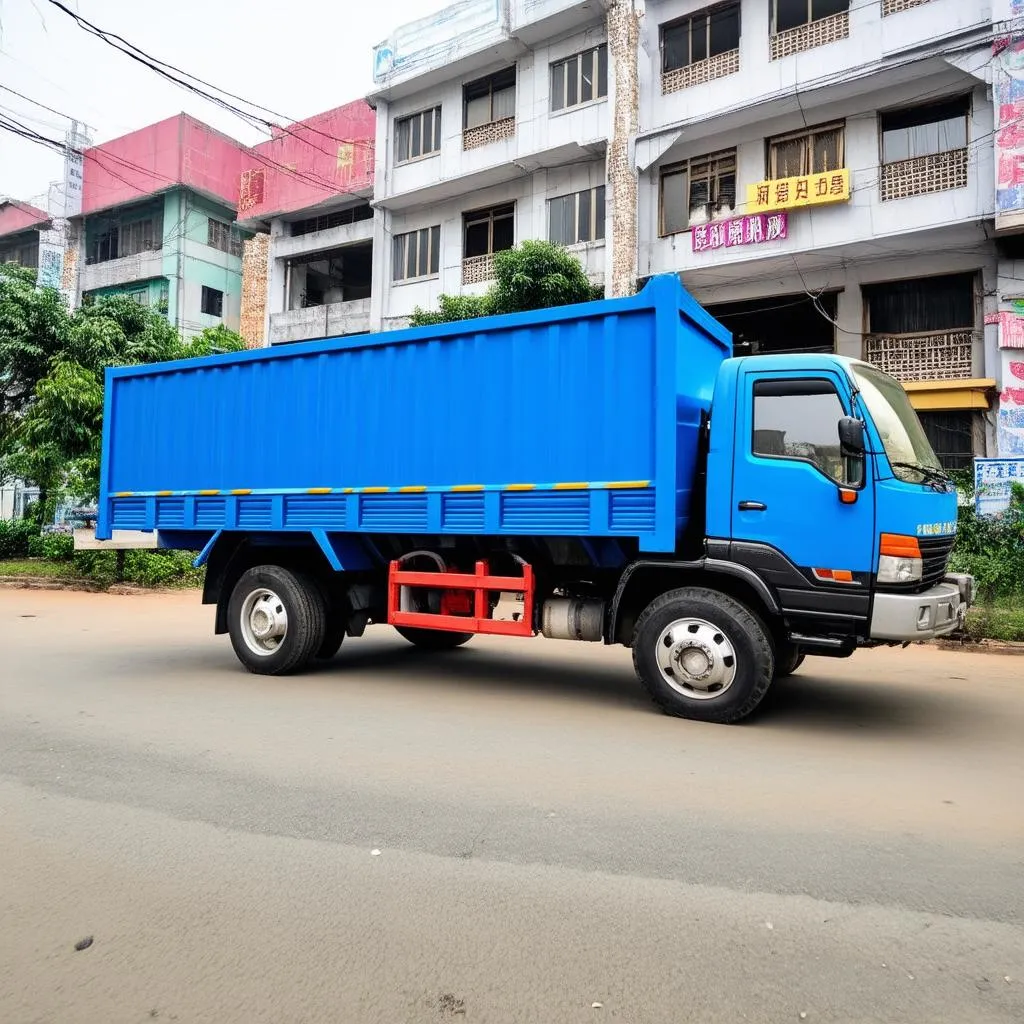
(505,833)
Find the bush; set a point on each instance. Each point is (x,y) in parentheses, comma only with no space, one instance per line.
(144,568)
(58,547)
(15,537)
(991,549)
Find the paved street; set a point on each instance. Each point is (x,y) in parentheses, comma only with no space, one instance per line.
(547,842)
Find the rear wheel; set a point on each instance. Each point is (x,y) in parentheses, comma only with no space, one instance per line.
(433,639)
(276,620)
(703,655)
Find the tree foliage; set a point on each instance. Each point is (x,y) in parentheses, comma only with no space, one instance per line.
(52,364)
(532,275)
(991,548)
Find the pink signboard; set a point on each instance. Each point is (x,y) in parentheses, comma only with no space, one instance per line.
(1011,330)
(752,229)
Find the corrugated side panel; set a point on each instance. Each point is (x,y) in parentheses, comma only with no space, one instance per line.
(170,513)
(546,512)
(386,512)
(536,404)
(255,513)
(328,512)
(462,513)
(631,512)
(130,514)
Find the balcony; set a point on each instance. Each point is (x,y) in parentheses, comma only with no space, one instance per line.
(329,321)
(810,36)
(141,267)
(911,357)
(896,6)
(923,175)
(478,269)
(701,72)
(485,134)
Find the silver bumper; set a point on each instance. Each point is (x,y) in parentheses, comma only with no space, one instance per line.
(937,612)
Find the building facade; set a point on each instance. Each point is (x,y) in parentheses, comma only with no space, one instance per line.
(494,120)
(820,172)
(310,187)
(157,223)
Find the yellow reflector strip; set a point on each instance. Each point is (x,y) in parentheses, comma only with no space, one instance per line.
(124,494)
(349,490)
(318,490)
(630,485)
(375,490)
(164,494)
(242,490)
(571,487)
(468,487)
(521,487)
(412,490)
(207,494)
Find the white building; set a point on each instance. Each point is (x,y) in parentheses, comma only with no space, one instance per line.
(865,129)
(493,126)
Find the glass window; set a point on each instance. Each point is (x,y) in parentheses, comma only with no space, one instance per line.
(212,301)
(417,253)
(697,191)
(924,131)
(903,437)
(799,420)
(921,305)
(578,217)
(793,13)
(696,37)
(489,99)
(418,135)
(489,231)
(814,151)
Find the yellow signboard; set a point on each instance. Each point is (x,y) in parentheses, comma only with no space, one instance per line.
(805,190)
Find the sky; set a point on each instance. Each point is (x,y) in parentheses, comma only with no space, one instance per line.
(297,59)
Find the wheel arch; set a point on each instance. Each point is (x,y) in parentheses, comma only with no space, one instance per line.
(643,581)
(233,554)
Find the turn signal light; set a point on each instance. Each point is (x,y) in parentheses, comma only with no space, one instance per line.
(847,497)
(899,546)
(833,575)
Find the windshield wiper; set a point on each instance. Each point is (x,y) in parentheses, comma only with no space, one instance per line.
(929,474)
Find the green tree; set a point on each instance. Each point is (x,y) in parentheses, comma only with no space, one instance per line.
(52,366)
(531,275)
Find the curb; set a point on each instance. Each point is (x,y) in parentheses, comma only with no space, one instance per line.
(1005,647)
(82,586)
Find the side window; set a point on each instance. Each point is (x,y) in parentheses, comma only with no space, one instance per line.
(799,420)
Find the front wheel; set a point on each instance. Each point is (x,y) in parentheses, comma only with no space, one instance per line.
(433,639)
(703,655)
(276,620)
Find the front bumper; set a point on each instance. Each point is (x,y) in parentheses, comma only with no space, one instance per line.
(905,618)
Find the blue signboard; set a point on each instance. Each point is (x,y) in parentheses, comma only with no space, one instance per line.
(992,481)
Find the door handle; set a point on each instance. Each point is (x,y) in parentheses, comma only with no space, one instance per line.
(753,506)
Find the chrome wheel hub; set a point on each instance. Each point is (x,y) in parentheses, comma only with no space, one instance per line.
(264,622)
(696,659)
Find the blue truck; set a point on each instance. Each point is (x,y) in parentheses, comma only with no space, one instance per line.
(603,472)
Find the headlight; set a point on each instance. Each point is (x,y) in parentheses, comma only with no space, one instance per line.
(899,569)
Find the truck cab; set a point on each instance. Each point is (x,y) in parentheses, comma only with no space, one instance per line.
(822,481)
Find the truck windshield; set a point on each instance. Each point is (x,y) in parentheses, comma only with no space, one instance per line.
(905,442)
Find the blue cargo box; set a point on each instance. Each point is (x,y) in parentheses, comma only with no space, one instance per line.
(579,421)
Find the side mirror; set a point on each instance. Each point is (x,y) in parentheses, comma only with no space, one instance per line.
(851,436)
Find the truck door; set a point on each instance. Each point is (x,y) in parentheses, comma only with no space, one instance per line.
(795,493)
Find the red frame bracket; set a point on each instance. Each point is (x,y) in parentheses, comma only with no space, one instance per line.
(479,584)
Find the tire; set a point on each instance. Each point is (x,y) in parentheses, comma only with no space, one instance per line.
(718,687)
(297,627)
(433,639)
(334,637)
(787,660)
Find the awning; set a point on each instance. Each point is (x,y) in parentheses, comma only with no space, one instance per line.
(945,395)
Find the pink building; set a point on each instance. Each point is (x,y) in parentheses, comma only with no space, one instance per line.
(158,222)
(311,186)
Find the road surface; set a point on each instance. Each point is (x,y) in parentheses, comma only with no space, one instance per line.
(505,833)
